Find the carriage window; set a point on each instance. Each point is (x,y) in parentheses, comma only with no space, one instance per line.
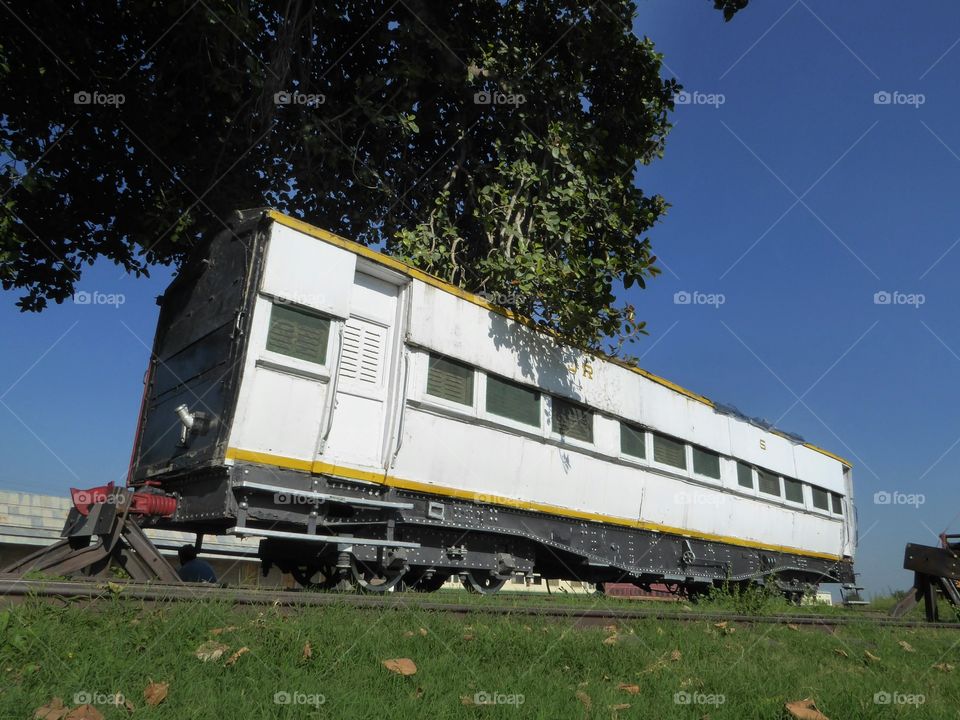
(669,452)
(633,441)
(450,380)
(298,334)
(837,503)
(821,498)
(769,484)
(706,463)
(744,475)
(513,401)
(572,420)
(794,490)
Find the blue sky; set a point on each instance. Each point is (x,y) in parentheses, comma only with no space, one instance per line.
(798,339)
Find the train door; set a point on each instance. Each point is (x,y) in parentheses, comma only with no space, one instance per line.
(357,431)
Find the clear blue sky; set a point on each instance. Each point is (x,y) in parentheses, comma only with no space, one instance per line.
(798,338)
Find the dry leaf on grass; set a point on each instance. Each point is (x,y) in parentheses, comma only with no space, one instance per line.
(408,634)
(906,646)
(621,706)
(805,710)
(220,631)
(869,655)
(944,667)
(792,626)
(675,656)
(841,652)
(585,699)
(211,650)
(307,651)
(401,666)
(467,700)
(631,689)
(422,631)
(610,628)
(468,636)
(720,625)
(236,656)
(155,693)
(612,640)
(53,710)
(84,712)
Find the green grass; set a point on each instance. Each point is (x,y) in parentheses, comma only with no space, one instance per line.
(120,645)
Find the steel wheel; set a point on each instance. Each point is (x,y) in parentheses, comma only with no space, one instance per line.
(374,578)
(483,582)
(425,584)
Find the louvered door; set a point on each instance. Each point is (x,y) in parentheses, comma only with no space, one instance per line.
(359,419)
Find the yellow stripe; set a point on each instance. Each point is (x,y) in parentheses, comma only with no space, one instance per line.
(432,280)
(383,479)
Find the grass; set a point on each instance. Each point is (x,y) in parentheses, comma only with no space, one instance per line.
(559,670)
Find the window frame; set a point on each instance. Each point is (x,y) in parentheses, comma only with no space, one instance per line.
(707,451)
(667,466)
(568,439)
(837,496)
(763,493)
(783,483)
(281,361)
(813,502)
(492,417)
(445,402)
(645,435)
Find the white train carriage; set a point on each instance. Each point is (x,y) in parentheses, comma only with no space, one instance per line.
(367,419)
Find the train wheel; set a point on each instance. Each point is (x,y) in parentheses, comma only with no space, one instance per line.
(483,582)
(427,584)
(317,578)
(372,578)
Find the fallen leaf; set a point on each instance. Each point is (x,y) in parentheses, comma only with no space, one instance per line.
(612,640)
(841,652)
(220,631)
(944,667)
(631,689)
(401,666)
(906,646)
(805,710)
(408,634)
(307,650)
(720,625)
(621,706)
(792,626)
(84,712)
(467,700)
(211,650)
(53,710)
(528,628)
(236,656)
(423,632)
(155,693)
(610,628)
(675,656)
(128,706)
(468,636)
(585,699)
(869,655)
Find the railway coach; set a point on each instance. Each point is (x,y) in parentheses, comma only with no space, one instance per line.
(373,424)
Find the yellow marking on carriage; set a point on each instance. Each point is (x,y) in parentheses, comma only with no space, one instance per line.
(382,478)
(434,281)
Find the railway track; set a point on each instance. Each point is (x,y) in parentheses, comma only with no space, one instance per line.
(16,590)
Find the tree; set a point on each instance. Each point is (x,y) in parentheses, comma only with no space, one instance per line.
(491,143)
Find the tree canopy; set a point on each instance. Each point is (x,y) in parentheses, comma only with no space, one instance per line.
(491,143)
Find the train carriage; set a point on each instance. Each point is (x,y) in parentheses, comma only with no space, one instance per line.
(371,422)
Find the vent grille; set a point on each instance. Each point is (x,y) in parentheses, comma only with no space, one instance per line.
(363,347)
